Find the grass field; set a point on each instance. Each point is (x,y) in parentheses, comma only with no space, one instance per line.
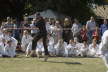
(56,64)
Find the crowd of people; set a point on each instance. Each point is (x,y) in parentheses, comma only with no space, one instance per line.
(64,38)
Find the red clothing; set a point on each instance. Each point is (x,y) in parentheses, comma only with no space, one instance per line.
(96,35)
(83,34)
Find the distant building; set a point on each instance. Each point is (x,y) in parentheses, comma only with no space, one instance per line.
(49,14)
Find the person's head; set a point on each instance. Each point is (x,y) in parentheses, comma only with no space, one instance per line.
(34,19)
(85,42)
(92,18)
(8,19)
(66,21)
(57,23)
(33,22)
(25,32)
(52,21)
(84,27)
(39,17)
(71,41)
(105,21)
(76,21)
(4,31)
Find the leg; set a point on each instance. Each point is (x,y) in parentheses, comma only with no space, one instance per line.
(45,48)
(34,43)
(105,59)
(28,49)
(45,45)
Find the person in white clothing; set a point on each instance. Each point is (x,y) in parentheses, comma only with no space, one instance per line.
(93,49)
(69,49)
(84,49)
(60,48)
(2,41)
(29,48)
(26,39)
(40,49)
(51,48)
(103,47)
(34,30)
(10,47)
(77,46)
(75,28)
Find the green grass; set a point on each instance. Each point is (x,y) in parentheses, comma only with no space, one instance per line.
(58,64)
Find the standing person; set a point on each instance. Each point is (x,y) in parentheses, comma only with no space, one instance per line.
(104,27)
(42,34)
(83,33)
(103,47)
(58,31)
(90,26)
(7,24)
(67,30)
(75,28)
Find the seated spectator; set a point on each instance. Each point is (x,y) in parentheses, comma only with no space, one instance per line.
(93,49)
(60,47)
(69,49)
(40,49)
(84,49)
(10,47)
(26,39)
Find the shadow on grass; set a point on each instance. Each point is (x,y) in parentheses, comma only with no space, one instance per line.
(76,63)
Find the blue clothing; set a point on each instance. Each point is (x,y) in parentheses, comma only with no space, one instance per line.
(103,28)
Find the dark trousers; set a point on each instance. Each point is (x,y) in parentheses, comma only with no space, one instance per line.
(44,39)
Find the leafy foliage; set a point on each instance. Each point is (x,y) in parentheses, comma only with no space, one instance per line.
(75,8)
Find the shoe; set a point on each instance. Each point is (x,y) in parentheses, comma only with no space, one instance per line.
(27,56)
(45,58)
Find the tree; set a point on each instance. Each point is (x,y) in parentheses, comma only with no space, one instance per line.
(17,8)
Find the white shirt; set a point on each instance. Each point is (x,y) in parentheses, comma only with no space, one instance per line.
(75,28)
(34,30)
(104,42)
(26,39)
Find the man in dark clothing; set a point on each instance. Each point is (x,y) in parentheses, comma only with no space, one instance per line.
(42,34)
